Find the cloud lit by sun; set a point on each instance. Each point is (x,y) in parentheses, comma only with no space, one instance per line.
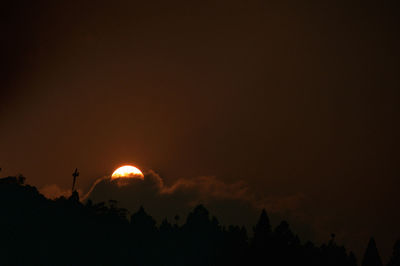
(127,171)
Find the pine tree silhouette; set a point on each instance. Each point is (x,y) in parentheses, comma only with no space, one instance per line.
(371,256)
(262,230)
(261,246)
(395,258)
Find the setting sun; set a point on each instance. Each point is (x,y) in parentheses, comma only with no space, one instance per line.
(127,171)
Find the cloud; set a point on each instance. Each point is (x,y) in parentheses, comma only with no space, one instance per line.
(232,203)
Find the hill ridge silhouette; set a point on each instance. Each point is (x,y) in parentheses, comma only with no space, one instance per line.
(65,231)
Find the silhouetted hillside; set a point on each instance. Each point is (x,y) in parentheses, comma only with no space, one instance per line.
(39,231)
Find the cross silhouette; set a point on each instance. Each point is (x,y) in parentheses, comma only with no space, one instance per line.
(75,175)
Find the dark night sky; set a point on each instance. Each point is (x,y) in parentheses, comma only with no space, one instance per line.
(292,98)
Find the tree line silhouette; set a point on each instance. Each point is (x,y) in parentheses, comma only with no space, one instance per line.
(39,231)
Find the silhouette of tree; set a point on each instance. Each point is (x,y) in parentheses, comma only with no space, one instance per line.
(333,254)
(141,220)
(262,230)
(352,260)
(168,243)
(202,237)
(284,236)
(263,227)
(284,245)
(165,226)
(234,248)
(21,179)
(262,240)
(38,231)
(395,258)
(371,256)
(143,240)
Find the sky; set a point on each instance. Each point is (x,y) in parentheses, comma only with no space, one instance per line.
(298,101)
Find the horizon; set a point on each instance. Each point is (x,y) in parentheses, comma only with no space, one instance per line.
(55,193)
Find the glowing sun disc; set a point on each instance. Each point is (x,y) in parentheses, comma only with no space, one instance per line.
(127,171)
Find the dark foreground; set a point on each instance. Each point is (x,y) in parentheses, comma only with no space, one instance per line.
(39,231)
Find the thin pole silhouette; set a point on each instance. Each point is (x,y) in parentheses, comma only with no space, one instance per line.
(75,175)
